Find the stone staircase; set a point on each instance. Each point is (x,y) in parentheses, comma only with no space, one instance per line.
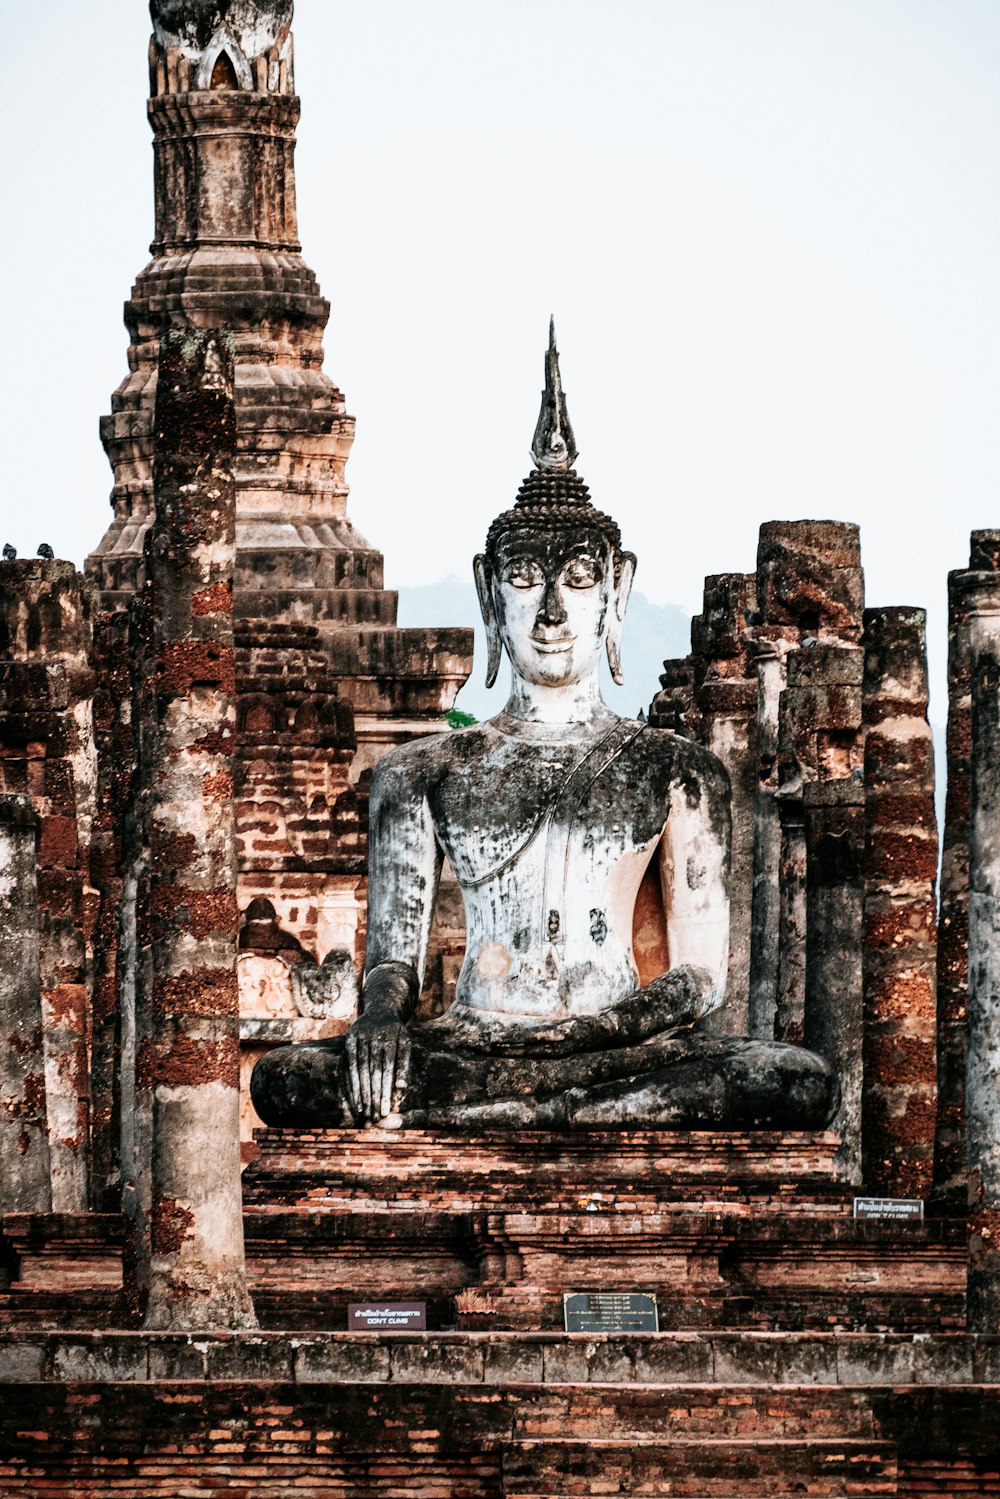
(487,1415)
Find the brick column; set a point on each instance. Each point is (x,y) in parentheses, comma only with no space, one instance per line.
(766,915)
(723,717)
(46,732)
(112,733)
(900,1070)
(835,836)
(982,595)
(950,1185)
(25,1183)
(191,1063)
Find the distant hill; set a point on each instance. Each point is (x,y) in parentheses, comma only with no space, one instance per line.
(653,632)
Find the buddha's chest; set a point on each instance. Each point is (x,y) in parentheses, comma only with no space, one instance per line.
(533,826)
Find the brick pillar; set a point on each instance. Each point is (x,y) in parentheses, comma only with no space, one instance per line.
(819,743)
(766,916)
(822,808)
(982,595)
(900,1069)
(46,732)
(835,834)
(725,721)
(953,920)
(191,1064)
(810,597)
(25,1182)
(112,733)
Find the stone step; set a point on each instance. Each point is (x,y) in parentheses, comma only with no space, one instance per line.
(496,1273)
(407,1416)
(509,1271)
(728,1363)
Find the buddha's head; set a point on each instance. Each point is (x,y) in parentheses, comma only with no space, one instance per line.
(553,581)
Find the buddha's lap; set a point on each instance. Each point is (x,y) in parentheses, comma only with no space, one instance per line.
(738,1075)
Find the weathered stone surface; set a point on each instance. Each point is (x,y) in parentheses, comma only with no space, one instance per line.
(982,599)
(829,1416)
(114,749)
(48,752)
(953,924)
(833,1019)
(25,1183)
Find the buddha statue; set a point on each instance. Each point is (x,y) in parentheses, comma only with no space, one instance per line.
(550,814)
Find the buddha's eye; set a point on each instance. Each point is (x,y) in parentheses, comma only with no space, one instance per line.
(581,572)
(525,574)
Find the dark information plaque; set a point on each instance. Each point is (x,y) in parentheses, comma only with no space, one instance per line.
(610,1311)
(387,1316)
(890,1209)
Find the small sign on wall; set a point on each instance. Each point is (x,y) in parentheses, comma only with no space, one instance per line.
(890,1209)
(387,1316)
(610,1311)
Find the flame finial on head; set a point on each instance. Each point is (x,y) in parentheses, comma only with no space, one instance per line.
(553,448)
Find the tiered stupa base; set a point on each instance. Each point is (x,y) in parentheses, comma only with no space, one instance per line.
(726,1230)
(856,1390)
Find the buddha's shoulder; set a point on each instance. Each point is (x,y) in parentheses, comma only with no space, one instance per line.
(432,753)
(684,760)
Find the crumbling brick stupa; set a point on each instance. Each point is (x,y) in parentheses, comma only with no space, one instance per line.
(186,738)
(326,681)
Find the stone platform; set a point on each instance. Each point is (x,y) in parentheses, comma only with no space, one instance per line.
(486,1416)
(727,1231)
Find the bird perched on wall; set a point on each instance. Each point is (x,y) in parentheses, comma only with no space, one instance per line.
(9,552)
(46,551)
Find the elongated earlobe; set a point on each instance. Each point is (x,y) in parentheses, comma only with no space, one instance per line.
(481,569)
(622,592)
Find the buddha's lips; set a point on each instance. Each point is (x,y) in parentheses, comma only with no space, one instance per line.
(552,647)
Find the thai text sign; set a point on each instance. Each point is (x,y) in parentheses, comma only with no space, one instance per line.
(891,1209)
(610,1311)
(387,1316)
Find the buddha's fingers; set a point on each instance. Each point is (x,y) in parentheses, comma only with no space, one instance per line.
(379,1067)
(387,1077)
(364,1078)
(401,1073)
(351,1076)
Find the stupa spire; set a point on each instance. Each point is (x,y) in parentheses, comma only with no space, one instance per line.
(554,448)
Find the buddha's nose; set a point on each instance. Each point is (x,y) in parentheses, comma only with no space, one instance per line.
(552,611)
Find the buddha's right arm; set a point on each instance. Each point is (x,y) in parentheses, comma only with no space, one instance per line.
(404,865)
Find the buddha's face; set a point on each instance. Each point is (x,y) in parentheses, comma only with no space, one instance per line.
(553,592)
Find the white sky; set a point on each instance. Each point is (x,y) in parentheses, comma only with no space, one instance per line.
(769,231)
